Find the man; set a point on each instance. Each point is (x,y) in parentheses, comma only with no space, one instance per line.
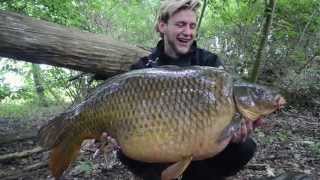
(176,25)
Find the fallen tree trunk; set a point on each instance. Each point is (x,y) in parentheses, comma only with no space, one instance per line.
(25,38)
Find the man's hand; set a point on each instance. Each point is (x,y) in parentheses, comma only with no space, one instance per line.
(247,127)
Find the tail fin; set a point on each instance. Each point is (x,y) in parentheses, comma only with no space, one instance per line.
(62,155)
(63,135)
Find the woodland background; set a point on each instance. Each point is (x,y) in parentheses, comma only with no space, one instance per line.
(276,43)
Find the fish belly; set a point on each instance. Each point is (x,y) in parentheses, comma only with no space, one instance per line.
(172,144)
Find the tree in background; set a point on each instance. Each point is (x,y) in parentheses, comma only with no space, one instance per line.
(269,13)
(36,74)
(231,28)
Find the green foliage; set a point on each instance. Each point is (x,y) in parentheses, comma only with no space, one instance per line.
(68,13)
(11,90)
(24,110)
(230,28)
(85,167)
(58,88)
(4,90)
(126,20)
(123,20)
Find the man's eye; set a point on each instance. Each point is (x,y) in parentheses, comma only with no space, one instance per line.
(181,24)
(193,26)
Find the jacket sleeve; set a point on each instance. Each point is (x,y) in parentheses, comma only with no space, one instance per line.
(140,64)
(213,60)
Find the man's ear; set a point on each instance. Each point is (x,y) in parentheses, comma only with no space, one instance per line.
(162,26)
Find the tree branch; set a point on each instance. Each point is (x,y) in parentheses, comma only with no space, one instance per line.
(18,155)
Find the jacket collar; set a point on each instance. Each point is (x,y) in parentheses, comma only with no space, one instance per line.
(159,55)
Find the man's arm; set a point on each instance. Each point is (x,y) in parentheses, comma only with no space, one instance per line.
(247,127)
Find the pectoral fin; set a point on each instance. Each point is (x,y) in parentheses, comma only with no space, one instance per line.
(233,127)
(176,169)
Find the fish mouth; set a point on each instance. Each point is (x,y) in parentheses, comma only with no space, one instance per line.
(249,115)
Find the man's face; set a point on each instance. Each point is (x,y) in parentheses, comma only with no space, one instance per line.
(179,32)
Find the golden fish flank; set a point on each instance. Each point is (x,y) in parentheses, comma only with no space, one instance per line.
(163,114)
(168,114)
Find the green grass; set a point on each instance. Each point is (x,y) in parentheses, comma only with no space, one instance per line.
(29,110)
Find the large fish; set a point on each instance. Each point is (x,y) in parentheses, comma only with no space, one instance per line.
(167,114)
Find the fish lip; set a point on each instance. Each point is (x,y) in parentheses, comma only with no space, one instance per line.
(251,118)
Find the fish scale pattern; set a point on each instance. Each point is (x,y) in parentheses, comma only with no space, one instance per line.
(164,115)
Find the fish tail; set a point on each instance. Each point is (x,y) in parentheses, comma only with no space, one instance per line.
(61,156)
(63,135)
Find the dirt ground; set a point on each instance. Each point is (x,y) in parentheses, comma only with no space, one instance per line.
(290,141)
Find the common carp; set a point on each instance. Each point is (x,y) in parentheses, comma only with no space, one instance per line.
(167,114)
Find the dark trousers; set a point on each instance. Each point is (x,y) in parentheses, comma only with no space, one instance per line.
(226,163)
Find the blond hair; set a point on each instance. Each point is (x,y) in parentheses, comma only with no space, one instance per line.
(169,7)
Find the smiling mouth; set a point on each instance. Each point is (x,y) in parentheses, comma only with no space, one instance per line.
(183,41)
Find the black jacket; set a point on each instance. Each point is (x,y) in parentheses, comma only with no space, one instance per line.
(196,56)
